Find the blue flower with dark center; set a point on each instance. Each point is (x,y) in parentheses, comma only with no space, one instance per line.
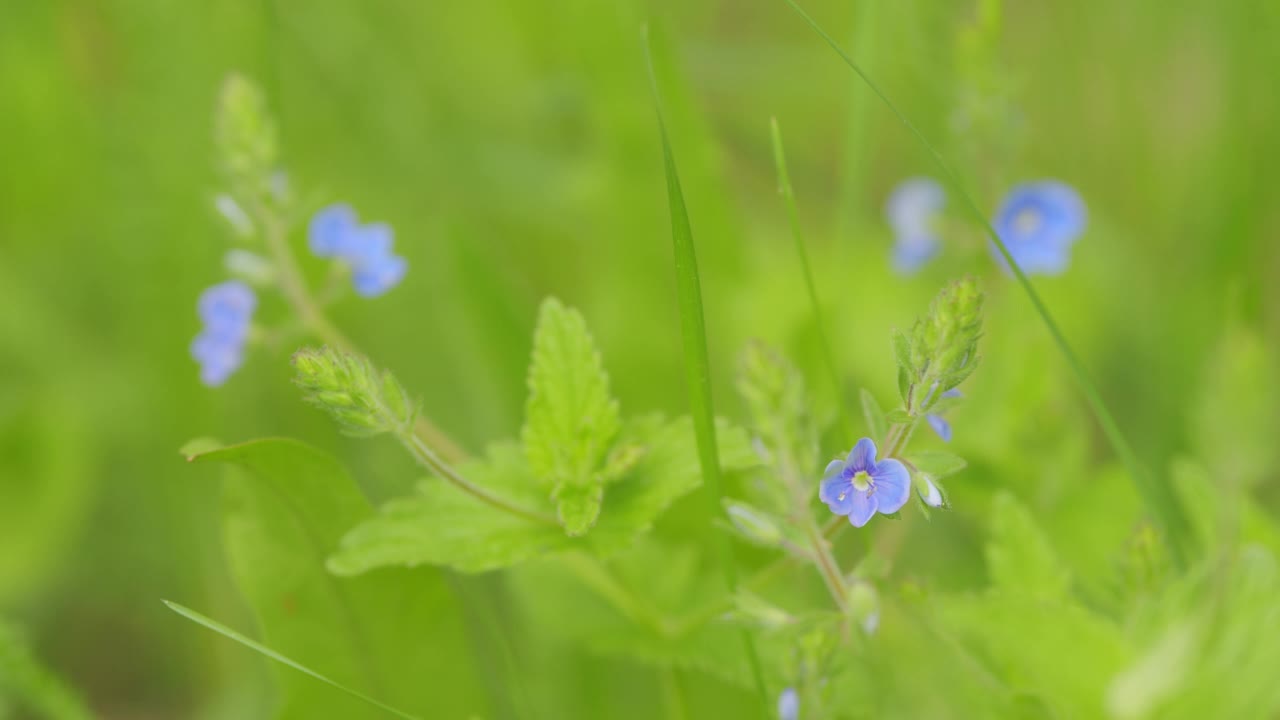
(912,210)
(226,311)
(334,232)
(939,423)
(1038,222)
(860,487)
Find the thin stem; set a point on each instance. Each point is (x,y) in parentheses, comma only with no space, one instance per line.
(793,215)
(828,568)
(294,288)
(1159,498)
(429,460)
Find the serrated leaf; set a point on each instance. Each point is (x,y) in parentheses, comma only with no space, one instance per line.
(287,505)
(902,351)
(1019,556)
(877,424)
(440,525)
(936,463)
(570,418)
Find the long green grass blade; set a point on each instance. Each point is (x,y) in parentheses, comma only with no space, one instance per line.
(697,366)
(225,631)
(1158,497)
(789,195)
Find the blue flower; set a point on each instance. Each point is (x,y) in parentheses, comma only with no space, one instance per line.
(226,311)
(860,487)
(334,232)
(939,423)
(789,704)
(1039,222)
(912,210)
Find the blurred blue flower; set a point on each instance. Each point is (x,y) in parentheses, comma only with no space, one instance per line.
(912,210)
(334,232)
(1038,222)
(789,704)
(939,423)
(226,311)
(860,487)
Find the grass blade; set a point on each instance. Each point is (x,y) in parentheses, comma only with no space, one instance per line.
(25,680)
(225,631)
(789,195)
(1159,498)
(697,366)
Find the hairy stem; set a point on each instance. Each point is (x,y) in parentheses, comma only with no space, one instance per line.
(432,462)
(294,288)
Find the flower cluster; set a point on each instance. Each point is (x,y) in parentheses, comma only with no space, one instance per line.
(226,311)
(1038,222)
(859,487)
(335,232)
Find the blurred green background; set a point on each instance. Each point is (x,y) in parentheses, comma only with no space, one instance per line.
(513,147)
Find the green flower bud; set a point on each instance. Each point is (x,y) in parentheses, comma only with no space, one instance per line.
(942,348)
(753,524)
(864,606)
(364,401)
(245,136)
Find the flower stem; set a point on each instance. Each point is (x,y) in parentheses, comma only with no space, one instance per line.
(828,567)
(426,457)
(294,288)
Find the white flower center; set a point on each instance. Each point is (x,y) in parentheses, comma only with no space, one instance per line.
(861,481)
(1027,221)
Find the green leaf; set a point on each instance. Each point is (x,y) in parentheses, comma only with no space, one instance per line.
(877,424)
(898,416)
(441,526)
(902,353)
(1019,557)
(937,464)
(286,507)
(570,418)
(24,680)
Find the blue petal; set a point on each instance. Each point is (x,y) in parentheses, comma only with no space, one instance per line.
(892,485)
(227,305)
(911,254)
(862,457)
(330,230)
(863,506)
(834,468)
(940,426)
(369,245)
(838,494)
(788,705)
(913,206)
(377,278)
(953,393)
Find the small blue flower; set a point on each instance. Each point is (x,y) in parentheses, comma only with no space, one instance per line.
(789,704)
(226,311)
(1039,222)
(334,232)
(939,423)
(860,487)
(912,210)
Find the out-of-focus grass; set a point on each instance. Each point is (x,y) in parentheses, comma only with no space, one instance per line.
(512,146)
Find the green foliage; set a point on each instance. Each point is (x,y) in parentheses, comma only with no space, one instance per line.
(286,508)
(877,424)
(1238,410)
(440,526)
(1019,557)
(779,408)
(28,685)
(347,386)
(571,420)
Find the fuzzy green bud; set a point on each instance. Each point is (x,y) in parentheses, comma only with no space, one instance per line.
(364,401)
(752,524)
(245,135)
(864,606)
(942,347)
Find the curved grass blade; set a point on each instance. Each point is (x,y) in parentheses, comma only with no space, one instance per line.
(697,366)
(225,631)
(1159,498)
(789,195)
